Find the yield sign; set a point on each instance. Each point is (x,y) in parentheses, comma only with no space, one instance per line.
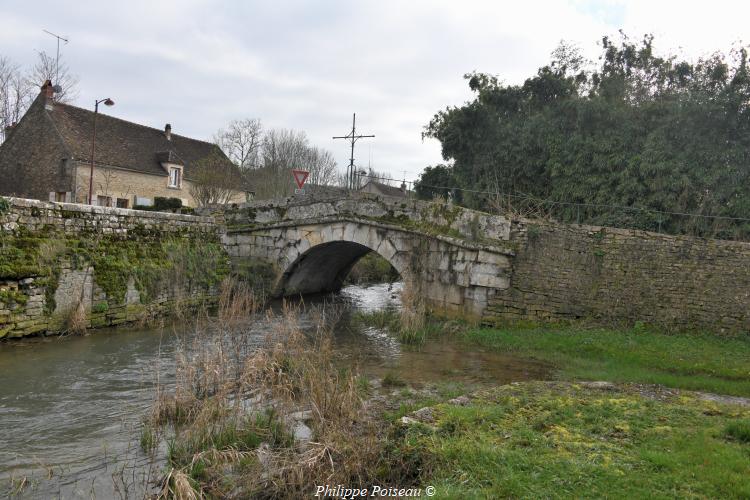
(300,176)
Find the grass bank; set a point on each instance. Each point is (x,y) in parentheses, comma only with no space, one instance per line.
(562,440)
(687,361)
(233,420)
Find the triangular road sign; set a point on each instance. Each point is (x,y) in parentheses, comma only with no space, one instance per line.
(300,176)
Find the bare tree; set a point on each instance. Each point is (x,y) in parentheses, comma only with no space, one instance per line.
(241,141)
(283,150)
(15,95)
(322,166)
(266,159)
(214,181)
(59,74)
(18,89)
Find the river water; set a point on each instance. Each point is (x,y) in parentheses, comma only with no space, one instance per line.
(71,407)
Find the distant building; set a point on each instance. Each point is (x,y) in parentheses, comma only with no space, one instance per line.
(321,191)
(47,156)
(379,188)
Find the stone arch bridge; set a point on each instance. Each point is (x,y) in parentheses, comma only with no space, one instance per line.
(497,268)
(456,258)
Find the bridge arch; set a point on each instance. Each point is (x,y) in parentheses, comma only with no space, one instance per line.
(320,257)
(315,253)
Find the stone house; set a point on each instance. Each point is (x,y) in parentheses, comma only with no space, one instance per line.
(378,188)
(47,156)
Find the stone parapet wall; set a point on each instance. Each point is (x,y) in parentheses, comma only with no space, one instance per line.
(35,215)
(55,256)
(563,272)
(425,217)
(64,263)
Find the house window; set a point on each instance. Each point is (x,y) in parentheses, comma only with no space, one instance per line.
(104,201)
(122,203)
(175,177)
(60,196)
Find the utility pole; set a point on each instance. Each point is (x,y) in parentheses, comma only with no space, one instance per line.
(57,57)
(352,137)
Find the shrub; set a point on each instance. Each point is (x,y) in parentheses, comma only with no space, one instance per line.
(100,307)
(161,203)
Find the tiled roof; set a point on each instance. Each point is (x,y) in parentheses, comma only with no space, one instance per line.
(125,144)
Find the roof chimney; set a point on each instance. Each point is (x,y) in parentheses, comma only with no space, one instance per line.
(168,131)
(48,91)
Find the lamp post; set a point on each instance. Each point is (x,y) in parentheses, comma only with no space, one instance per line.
(107,102)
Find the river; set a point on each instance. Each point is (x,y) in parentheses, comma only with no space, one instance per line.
(71,407)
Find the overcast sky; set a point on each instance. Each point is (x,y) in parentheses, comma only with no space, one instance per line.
(309,65)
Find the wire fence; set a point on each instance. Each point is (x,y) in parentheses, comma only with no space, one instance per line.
(631,217)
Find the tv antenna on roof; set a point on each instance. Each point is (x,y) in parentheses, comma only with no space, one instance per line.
(57,87)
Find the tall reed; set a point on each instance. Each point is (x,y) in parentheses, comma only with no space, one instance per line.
(237,400)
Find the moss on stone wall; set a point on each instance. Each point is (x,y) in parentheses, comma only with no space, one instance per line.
(259,275)
(4,206)
(156,265)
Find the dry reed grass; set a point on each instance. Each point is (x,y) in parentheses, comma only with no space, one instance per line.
(233,405)
(77,320)
(413,316)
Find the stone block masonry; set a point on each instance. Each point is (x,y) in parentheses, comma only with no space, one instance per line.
(116,265)
(455,258)
(123,264)
(563,272)
(71,218)
(498,268)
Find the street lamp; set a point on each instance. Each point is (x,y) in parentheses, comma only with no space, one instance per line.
(107,102)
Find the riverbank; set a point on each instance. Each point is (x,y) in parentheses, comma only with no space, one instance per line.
(632,433)
(585,440)
(700,362)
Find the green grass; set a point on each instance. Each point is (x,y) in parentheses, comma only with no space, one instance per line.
(390,320)
(393,380)
(379,318)
(372,268)
(687,361)
(241,435)
(560,440)
(739,430)
(149,438)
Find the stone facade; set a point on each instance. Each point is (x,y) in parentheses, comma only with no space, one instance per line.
(39,293)
(117,183)
(34,142)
